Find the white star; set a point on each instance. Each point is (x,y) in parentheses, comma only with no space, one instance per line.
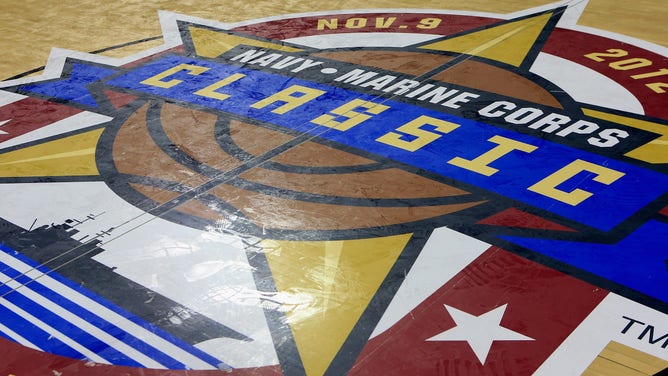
(479,331)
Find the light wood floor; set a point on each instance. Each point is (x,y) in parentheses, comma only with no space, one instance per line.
(29,28)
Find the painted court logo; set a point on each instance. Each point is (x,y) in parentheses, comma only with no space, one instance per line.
(354,195)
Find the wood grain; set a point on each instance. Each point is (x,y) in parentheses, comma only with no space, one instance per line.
(30,28)
(620,360)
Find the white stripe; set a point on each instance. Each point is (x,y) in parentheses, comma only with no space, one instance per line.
(603,325)
(84,325)
(7,97)
(77,121)
(143,334)
(597,89)
(446,253)
(52,331)
(18,338)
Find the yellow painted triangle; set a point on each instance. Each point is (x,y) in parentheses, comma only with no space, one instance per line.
(655,151)
(69,156)
(212,43)
(509,42)
(326,285)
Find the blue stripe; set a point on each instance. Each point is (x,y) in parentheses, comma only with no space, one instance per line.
(211,360)
(35,335)
(74,87)
(70,330)
(637,261)
(516,171)
(95,320)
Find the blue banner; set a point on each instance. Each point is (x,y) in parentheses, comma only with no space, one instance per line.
(585,187)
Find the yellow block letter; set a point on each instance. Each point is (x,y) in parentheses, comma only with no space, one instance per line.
(413,128)
(547,186)
(287,96)
(210,91)
(480,164)
(157,80)
(347,110)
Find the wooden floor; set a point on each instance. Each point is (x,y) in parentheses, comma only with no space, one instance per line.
(91,26)
(636,321)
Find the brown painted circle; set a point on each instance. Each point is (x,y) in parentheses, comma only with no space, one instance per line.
(280,196)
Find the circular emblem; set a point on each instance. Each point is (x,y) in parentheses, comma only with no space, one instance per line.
(337,197)
(252,170)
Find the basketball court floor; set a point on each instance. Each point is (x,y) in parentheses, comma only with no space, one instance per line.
(334,188)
